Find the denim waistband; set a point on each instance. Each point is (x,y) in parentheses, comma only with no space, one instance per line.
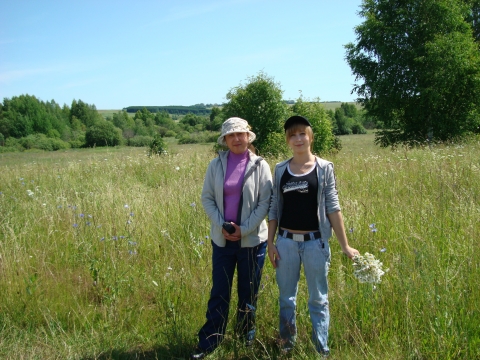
(300,237)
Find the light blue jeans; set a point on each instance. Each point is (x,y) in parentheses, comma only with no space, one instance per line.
(315,256)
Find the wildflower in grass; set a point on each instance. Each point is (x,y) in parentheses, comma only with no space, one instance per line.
(129,222)
(75,225)
(103,238)
(132,252)
(44,204)
(131,214)
(114,238)
(367,269)
(122,237)
(193,204)
(383,249)
(169,268)
(90,216)
(82,215)
(351,230)
(177,168)
(125,206)
(373,228)
(30,193)
(207,237)
(133,243)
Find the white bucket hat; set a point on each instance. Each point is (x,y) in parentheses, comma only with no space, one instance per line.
(235,125)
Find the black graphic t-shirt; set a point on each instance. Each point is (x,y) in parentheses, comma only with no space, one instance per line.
(299,200)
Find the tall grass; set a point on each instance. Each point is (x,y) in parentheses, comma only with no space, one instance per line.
(110,256)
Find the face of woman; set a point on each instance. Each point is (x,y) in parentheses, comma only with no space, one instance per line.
(299,141)
(237,142)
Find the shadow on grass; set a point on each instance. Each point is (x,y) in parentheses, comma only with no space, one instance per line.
(182,352)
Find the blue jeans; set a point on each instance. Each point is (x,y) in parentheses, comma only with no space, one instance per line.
(315,256)
(249,263)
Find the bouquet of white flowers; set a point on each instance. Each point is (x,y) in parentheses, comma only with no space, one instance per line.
(367,269)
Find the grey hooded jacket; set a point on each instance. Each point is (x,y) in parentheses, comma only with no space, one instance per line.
(256,191)
(327,196)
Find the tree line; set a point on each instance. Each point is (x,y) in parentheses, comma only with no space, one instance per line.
(27,122)
(173,110)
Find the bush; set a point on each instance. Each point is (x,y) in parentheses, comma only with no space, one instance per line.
(198,137)
(157,146)
(358,129)
(102,133)
(141,140)
(42,142)
(276,145)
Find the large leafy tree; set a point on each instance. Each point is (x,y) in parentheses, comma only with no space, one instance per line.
(417,68)
(259,102)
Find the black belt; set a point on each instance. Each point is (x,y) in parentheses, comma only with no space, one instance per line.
(301,237)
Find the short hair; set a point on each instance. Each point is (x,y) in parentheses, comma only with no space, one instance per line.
(300,127)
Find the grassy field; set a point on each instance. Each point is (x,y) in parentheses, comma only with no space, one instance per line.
(104,255)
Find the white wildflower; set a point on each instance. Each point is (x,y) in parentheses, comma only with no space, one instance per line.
(367,269)
(30,193)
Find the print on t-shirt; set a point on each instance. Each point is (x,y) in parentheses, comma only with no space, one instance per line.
(299,186)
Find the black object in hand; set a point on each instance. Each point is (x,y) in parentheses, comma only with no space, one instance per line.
(229,228)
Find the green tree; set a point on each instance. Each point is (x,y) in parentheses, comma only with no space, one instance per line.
(87,114)
(418,69)
(121,120)
(474,18)
(343,123)
(259,102)
(216,119)
(103,133)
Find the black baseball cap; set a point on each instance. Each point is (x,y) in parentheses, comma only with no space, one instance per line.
(296,119)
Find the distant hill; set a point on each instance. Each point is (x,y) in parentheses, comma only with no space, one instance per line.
(201,109)
(173,110)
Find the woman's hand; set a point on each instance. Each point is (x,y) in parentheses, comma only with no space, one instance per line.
(350,252)
(237,235)
(273,254)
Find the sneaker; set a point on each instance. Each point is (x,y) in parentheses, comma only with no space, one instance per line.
(198,354)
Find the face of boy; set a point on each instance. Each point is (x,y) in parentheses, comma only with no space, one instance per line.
(237,142)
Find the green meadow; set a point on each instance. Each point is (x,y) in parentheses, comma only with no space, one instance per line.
(104,254)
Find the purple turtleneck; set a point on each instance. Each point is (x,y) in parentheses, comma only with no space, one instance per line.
(232,186)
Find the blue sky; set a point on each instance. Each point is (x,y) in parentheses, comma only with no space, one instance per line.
(172,52)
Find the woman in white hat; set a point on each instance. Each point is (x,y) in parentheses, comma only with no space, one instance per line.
(235,196)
